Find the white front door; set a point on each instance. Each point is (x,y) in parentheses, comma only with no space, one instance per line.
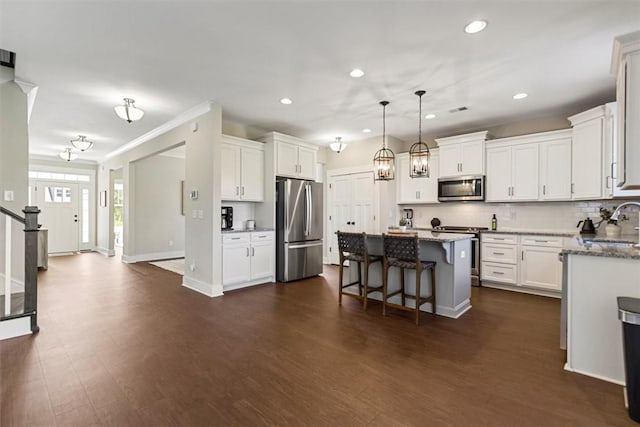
(59,213)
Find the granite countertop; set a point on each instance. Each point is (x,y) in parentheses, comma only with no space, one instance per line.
(431,236)
(618,247)
(555,233)
(257,229)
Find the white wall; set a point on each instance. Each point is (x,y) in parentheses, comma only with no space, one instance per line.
(202,137)
(14,166)
(159,224)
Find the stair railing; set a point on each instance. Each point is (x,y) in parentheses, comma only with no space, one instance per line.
(31,227)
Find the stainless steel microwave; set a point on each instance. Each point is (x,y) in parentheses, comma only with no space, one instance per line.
(461,188)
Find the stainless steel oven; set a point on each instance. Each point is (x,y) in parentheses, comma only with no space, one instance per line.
(461,188)
(475,247)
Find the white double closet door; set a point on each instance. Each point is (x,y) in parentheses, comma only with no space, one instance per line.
(59,214)
(352,202)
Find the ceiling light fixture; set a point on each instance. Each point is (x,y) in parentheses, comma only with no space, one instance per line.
(475,26)
(520,95)
(356,72)
(128,111)
(419,154)
(286,101)
(338,146)
(366,130)
(430,116)
(68,154)
(384,168)
(82,143)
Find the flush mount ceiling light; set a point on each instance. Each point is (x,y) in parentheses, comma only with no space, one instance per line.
(430,116)
(366,130)
(128,111)
(475,26)
(520,95)
(286,101)
(419,154)
(68,154)
(338,146)
(356,72)
(82,143)
(384,168)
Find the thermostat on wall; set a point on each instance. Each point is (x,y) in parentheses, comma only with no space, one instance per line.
(193,195)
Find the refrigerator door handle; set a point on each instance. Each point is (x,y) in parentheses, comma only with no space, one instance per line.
(306,245)
(310,221)
(307,210)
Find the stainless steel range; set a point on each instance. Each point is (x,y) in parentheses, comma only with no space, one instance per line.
(475,247)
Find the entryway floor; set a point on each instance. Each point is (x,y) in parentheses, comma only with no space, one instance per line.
(126,344)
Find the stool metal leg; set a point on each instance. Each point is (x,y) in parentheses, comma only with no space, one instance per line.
(366,285)
(402,284)
(433,291)
(340,282)
(359,279)
(418,274)
(385,273)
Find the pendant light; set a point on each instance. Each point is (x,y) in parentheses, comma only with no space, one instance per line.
(338,146)
(384,168)
(68,154)
(82,143)
(128,111)
(419,154)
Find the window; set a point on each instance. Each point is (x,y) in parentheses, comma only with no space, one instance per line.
(59,176)
(57,194)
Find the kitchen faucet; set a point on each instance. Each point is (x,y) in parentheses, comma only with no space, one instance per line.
(616,215)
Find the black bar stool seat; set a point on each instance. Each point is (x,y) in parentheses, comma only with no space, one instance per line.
(353,247)
(404,252)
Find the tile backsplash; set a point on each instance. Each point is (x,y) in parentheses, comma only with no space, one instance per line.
(542,216)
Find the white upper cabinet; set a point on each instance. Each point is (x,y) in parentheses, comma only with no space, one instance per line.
(529,167)
(242,169)
(462,155)
(512,173)
(586,156)
(416,190)
(626,67)
(293,157)
(555,169)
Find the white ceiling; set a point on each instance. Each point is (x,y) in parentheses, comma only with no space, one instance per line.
(171,56)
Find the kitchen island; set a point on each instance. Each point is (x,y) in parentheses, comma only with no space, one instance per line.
(452,254)
(596,272)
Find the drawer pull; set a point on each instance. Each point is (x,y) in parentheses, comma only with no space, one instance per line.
(498,238)
(235,238)
(498,253)
(541,241)
(498,272)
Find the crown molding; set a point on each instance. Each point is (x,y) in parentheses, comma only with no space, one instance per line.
(181,119)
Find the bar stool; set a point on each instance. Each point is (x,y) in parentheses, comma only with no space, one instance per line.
(353,247)
(403,252)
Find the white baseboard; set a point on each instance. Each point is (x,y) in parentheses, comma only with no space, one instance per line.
(588,374)
(15,327)
(105,251)
(255,282)
(154,256)
(204,288)
(16,285)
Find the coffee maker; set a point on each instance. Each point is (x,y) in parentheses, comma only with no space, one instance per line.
(227,218)
(408,217)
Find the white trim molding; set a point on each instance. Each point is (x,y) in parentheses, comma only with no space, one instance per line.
(105,251)
(15,327)
(153,256)
(201,287)
(181,119)
(16,285)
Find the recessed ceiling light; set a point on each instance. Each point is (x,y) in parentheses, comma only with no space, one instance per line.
(520,95)
(366,130)
(430,116)
(286,101)
(475,26)
(356,72)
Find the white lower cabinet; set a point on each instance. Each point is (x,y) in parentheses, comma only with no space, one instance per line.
(528,263)
(247,259)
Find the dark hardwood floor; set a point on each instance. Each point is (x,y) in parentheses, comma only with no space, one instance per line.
(127,345)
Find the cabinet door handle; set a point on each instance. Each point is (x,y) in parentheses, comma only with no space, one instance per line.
(573,188)
(253,251)
(242,190)
(544,189)
(237,190)
(522,255)
(247,251)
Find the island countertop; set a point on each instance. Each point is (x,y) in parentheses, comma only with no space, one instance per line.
(431,236)
(603,247)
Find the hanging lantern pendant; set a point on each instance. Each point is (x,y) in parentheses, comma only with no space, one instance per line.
(419,154)
(384,168)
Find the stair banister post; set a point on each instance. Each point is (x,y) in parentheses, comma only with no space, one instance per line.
(31,264)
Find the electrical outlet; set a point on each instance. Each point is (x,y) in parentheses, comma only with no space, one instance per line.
(463,254)
(192,267)
(170,243)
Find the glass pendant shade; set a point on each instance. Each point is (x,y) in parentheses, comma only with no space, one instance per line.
(338,146)
(384,161)
(68,154)
(419,154)
(82,143)
(128,111)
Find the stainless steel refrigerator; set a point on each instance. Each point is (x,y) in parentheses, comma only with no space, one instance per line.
(298,229)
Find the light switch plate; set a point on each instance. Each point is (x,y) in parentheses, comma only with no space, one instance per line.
(8,195)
